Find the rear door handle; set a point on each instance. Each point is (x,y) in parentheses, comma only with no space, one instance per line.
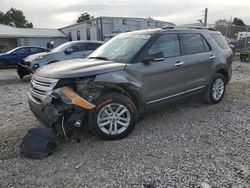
(211,57)
(178,63)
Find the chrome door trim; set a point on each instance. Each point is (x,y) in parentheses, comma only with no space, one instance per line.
(175,95)
(211,57)
(179,64)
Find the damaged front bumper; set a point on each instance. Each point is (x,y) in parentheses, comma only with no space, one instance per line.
(62,109)
(23,69)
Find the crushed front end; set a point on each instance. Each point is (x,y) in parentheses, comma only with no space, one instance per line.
(61,104)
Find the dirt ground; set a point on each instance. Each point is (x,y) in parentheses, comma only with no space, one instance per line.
(188,145)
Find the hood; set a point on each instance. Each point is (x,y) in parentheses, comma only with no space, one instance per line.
(78,68)
(36,56)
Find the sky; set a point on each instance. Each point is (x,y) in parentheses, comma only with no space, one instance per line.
(60,13)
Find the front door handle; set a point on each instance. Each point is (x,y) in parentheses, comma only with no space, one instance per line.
(178,63)
(211,57)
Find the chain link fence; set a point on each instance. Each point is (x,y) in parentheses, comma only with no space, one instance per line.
(237,36)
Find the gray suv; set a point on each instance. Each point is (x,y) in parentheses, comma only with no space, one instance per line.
(130,74)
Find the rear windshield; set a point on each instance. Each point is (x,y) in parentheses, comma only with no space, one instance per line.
(219,39)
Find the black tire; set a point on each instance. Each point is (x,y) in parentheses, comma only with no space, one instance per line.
(209,97)
(101,104)
(3,64)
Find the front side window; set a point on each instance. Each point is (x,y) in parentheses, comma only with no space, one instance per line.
(167,44)
(22,51)
(121,48)
(193,43)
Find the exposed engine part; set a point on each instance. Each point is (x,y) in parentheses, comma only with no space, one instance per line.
(63,129)
(88,89)
(77,123)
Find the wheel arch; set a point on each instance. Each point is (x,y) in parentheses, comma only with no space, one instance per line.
(129,91)
(224,73)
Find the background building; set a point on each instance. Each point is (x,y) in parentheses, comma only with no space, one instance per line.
(11,37)
(104,28)
(100,28)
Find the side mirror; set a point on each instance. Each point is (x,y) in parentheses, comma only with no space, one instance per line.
(68,51)
(14,53)
(154,57)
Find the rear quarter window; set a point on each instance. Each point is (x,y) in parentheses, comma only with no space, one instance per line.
(219,39)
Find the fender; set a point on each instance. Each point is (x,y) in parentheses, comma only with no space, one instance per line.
(123,82)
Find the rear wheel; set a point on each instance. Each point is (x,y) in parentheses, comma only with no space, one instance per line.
(114,117)
(216,89)
(3,64)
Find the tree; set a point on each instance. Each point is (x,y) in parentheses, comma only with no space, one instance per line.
(238,22)
(16,18)
(83,17)
(228,28)
(222,22)
(222,25)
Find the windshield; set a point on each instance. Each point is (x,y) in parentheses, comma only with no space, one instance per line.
(121,48)
(9,52)
(61,47)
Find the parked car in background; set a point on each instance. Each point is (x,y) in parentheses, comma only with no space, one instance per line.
(240,44)
(16,55)
(68,50)
(132,73)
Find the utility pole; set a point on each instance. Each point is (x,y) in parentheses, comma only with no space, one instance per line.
(245,45)
(205,18)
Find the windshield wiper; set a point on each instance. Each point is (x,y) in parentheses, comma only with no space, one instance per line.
(99,57)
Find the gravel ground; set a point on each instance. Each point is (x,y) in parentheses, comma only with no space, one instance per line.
(189,145)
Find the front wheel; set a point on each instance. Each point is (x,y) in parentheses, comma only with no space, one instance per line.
(114,117)
(216,89)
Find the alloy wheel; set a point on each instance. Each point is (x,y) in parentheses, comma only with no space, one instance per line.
(218,89)
(113,119)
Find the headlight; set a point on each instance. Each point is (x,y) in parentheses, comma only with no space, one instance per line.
(36,66)
(88,89)
(69,96)
(40,57)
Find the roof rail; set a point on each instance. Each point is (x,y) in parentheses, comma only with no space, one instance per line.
(190,27)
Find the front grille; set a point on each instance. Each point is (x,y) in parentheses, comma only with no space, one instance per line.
(40,86)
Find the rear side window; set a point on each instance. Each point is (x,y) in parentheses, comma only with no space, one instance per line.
(79,47)
(167,44)
(219,39)
(194,43)
(35,50)
(92,46)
